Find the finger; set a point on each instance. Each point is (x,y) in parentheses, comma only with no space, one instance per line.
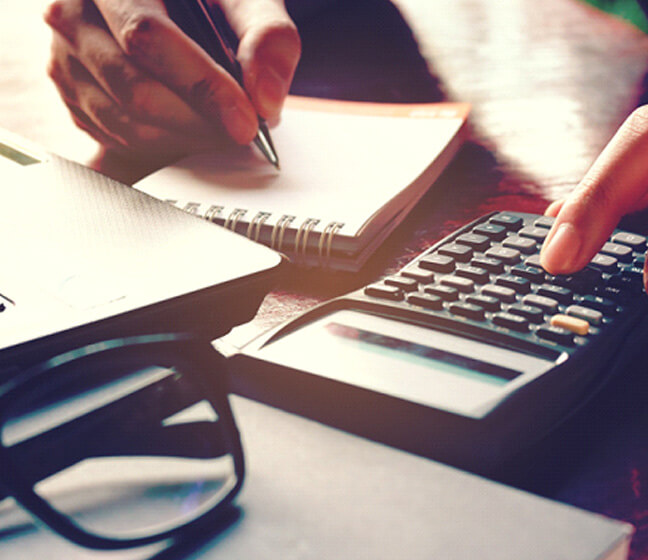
(553,209)
(145,33)
(269,50)
(616,184)
(133,90)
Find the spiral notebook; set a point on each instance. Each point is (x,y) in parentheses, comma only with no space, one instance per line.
(350,172)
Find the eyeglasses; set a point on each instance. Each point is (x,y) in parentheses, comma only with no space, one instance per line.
(120,443)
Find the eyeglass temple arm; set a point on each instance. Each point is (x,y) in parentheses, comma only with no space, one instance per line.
(95,435)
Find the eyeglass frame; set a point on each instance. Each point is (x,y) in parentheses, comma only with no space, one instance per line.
(193,356)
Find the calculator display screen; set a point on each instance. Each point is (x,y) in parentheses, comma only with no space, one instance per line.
(444,359)
(411,362)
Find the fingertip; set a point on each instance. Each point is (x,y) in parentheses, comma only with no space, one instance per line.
(561,250)
(554,208)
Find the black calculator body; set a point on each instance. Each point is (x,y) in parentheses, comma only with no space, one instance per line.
(470,353)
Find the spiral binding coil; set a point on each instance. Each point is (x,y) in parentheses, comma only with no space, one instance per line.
(324,245)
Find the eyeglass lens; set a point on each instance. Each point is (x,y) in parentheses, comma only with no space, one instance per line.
(123,453)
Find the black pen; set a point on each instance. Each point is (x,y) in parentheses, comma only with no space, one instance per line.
(208,33)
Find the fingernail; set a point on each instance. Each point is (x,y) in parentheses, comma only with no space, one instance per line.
(271,90)
(560,252)
(241,122)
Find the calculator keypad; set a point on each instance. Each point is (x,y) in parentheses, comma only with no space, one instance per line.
(490,274)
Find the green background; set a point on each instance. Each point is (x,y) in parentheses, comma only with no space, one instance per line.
(626,9)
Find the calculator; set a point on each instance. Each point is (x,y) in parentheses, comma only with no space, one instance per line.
(470,353)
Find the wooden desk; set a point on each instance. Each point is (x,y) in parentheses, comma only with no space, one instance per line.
(549,82)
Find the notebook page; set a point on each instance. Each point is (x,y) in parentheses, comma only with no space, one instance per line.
(340,161)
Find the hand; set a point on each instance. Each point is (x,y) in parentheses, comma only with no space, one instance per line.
(135,82)
(616,184)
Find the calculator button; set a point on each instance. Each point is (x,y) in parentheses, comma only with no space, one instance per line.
(492,231)
(621,252)
(534,261)
(522,244)
(420,275)
(489,303)
(586,279)
(444,292)
(504,254)
(429,301)
(530,312)
(536,233)
(630,282)
(556,334)
(520,285)
(606,263)
(616,294)
(640,261)
(637,242)
(468,310)
(604,305)
(544,222)
(404,283)
(461,253)
(437,263)
(509,221)
(465,285)
(563,295)
(548,304)
(573,324)
(476,274)
(488,263)
(500,292)
(511,321)
(592,316)
(476,241)
(531,273)
(384,292)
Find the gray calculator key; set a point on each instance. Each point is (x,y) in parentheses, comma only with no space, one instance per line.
(492,231)
(556,334)
(490,264)
(468,310)
(511,321)
(637,242)
(592,316)
(457,251)
(475,273)
(476,241)
(429,301)
(489,303)
(544,222)
(509,221)
(384,292)
(530,312)
(437,263)
(504,254)
(446,293)
(549,305)
(563,295)
(621,252)
(522,244)
(465,285)
(606,263)
(419,274)
(402,282)
(517,283)
(500,292)
(536,233)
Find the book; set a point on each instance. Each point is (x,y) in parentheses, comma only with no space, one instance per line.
(350,173)
(315,493)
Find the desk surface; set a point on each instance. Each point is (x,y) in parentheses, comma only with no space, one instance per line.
(549,83)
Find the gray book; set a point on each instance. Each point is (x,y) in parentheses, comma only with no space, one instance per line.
(315,493)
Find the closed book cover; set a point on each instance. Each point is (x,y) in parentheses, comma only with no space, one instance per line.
(350,172)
